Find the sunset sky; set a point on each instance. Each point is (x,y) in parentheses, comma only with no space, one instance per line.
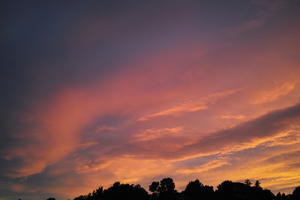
(94,92)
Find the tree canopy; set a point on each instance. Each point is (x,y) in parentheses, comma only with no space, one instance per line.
(194,190)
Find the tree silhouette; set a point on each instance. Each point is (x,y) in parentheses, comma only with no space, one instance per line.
(239,191)
(165,189)
(257,184)
(194,190)
(98,193)
(167,185)
(248,182)
(296,193)
(154,186)
(125,191)
(282,196)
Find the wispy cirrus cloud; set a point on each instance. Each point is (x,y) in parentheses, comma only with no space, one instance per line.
(177,110)
(151,134)
(264,11)
(233,116)
(210,165)
(194,105)
(272,94)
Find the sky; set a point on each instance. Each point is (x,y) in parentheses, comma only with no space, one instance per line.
(94,92)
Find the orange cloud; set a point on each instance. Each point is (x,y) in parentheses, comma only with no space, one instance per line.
(276,124)
(273,94)
(233,116)
(185,107)
(17,187)
(191,106)
(151,134)
(213,164)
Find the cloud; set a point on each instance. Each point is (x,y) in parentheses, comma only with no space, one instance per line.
(105,128)
(185,107)
(261,162)
(265,9)
(213,164)
(273,94)
(247,26)
(247,134)
(287,158)
(191,105)
(17,187)
(152,134)
(275,128)
(233,116)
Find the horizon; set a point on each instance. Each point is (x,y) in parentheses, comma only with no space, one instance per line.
(95,92)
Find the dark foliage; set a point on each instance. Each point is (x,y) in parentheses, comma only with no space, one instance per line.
(239,191)
(195,190)
(163,190)
(116,192)
(296,193)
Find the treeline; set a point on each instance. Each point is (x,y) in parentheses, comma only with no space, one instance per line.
(195,190)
